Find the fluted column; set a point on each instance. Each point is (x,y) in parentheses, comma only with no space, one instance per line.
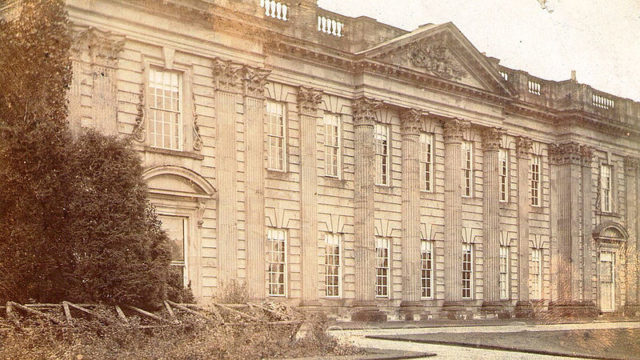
(364,186)
(228,85)
(453,133)
(587,210)
(308,100)
(491,139)
(523,152)
(411,125)
(254,81)
(633,266)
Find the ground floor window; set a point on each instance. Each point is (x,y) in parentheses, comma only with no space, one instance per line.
(426,267)
(382,267)
(277,261)
(504,272)
(535,272)
(177,229)
(333,271)
(467,271)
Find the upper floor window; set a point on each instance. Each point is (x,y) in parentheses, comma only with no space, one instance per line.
(177,229)
(504,273)
(467,169)
(503,159)
(382,266)
(165,109)
(535,272)
(426,268)
(383,154)
(536,183)
(277,262)
(605,188)
(426,161)
(467,271)
(332,145)
(277,136)
(332,263)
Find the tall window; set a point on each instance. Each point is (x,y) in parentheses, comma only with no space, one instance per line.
(333,271)
(605,187)
(503,158)
(467,271)
(277,144)
(382,267)
(426,161)
(332,145)
(383,151)
(177,229)
(536,163)
(504,272)
(426,267)
(535,272)
(467,169)
(277,261)
(165,109)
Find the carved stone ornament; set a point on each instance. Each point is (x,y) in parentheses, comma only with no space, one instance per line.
(364,110)
(254,81)
(139,133)
(197,140)
(567,153)
(492,138)
(454,129)
(227,75)
(411,120)
(435,59)
(102,47)
(586,153)
(630,163)
(523,146)
(308,100)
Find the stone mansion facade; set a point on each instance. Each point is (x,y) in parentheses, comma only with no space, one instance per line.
(344,164)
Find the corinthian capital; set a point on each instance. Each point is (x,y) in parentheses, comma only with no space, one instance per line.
(411,121)
(491,138)
(566,153)
(586,154)
(523,146)
(364,110)
(630,163)
(227,75)
(454,129)
(254,80)
(308,100)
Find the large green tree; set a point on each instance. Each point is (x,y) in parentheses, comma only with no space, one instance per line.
(75,223)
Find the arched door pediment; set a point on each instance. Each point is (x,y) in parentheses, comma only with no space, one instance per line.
(610,231)
(178,181)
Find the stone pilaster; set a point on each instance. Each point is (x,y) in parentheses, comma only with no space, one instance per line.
(254,81)
(633,265)
(411,289)
(364,226)
(228,85)
(453,135)
(308,101)
(491,139)
(523,154)
(587,214)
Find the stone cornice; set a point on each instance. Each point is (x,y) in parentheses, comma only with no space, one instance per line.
(491,138)
(411,121)
(523,146)
(364,111)
(254,81)
(308,100)
(454,129)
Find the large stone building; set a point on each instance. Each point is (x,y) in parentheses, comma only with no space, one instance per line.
(342,163)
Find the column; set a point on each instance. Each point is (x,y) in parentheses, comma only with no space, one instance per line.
(227,81)
(523,154)
(364,186)
(453,133)
(491,139)
(254,81)
(587,228)
(308,100)
(411,279)
(631,186)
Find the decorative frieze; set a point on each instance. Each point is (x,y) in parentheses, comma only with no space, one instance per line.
(523,146)
(364,111)
(454,129)
(227,76)
(308,100)
(411,121)
(492,138)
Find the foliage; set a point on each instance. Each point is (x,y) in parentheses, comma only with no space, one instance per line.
(75,223)
(232,292)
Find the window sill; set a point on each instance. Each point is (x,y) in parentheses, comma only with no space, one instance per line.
(334,181)
(384,189)
(537,209)
(609,214)
(278,175)
(179,153)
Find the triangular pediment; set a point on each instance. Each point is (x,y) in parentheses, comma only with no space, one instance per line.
(441,51)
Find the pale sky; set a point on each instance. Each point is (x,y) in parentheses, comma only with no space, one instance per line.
(600,39)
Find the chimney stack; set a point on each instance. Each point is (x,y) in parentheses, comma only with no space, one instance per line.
(573,75)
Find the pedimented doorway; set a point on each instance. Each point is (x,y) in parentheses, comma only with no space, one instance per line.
(610,241)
